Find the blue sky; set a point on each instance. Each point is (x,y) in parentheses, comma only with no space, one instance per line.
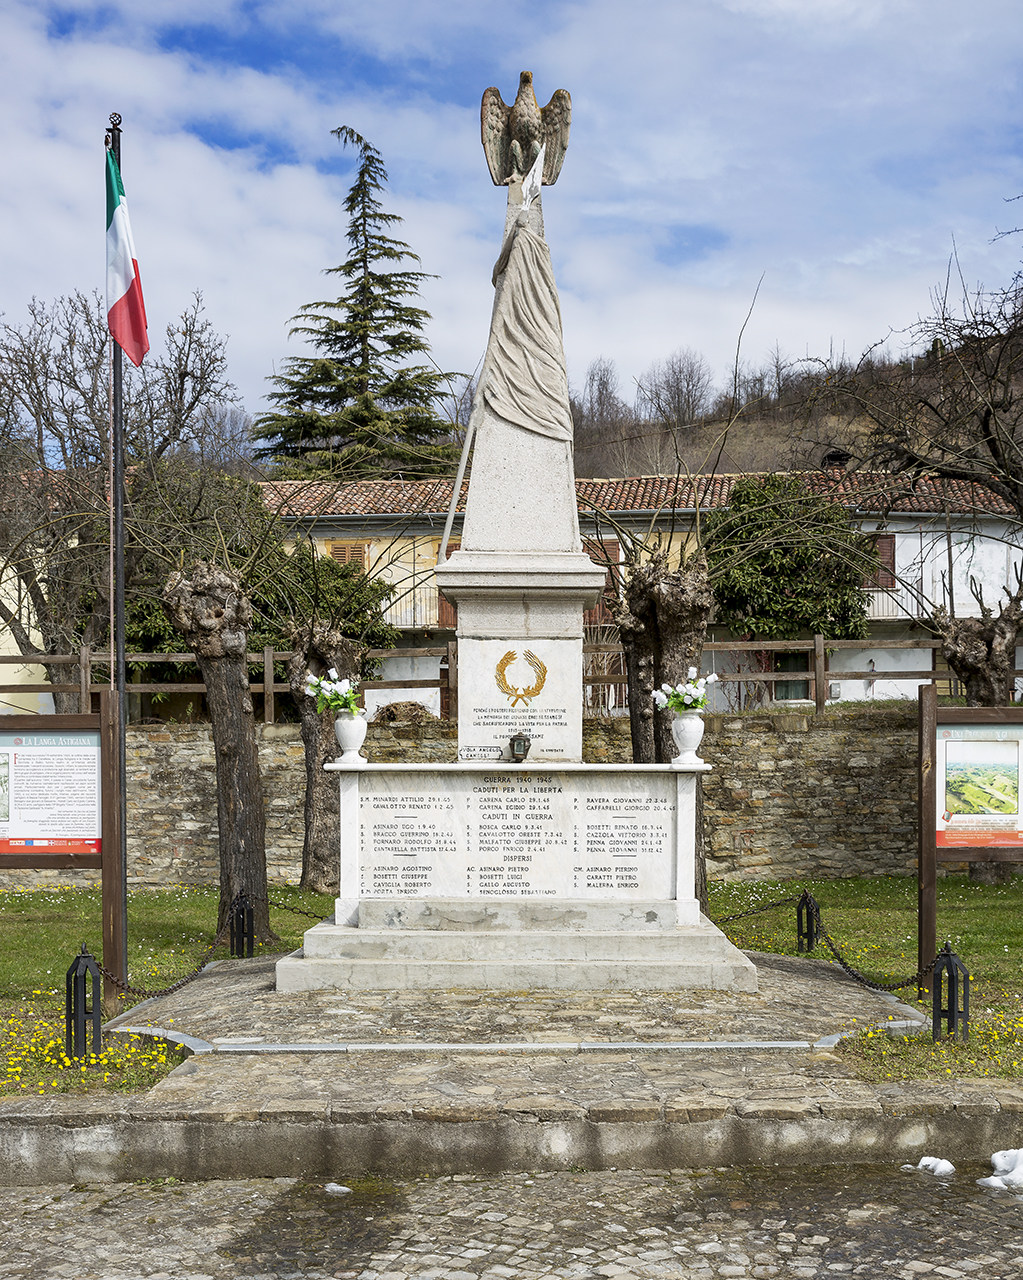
(838,148)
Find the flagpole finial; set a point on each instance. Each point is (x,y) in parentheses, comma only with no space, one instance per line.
(112,139)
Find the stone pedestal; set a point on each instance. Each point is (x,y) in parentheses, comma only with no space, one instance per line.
(520,656)
(509,878)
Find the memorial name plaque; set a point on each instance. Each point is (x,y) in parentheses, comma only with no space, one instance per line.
(511,834)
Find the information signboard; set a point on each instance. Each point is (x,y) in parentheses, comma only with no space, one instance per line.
(59,809)
(977,796)
(50,791)
(969,808)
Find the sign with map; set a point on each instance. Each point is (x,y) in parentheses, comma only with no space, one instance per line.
(978,785)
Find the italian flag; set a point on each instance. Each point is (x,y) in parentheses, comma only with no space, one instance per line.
(126,312)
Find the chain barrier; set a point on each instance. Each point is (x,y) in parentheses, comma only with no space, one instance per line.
(814,906)
(855,974)
(741,915)
(241,900)
(144,994)
(295,911)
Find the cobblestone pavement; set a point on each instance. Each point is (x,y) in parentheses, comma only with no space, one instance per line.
(799,999)
(825,1222)
(608,1087)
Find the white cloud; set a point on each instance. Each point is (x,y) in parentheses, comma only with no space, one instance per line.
(836,148)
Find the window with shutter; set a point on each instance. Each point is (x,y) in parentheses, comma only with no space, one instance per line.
(884,578)
(350,553)
(791,690)
(447,613)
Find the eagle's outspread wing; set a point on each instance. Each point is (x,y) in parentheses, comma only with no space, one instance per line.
(496,135)
(513,135)
(556,116)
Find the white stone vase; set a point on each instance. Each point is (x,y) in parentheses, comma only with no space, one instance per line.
(687,731)
(350,731)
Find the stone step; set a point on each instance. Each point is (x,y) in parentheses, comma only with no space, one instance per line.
(515,914)
(341,942)
(709,971)
(562,959)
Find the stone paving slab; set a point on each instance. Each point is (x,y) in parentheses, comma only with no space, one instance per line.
(799,999)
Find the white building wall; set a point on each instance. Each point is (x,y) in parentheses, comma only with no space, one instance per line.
(879,659)
(397,667)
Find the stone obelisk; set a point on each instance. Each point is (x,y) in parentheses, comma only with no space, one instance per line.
(521,579)
(546,874)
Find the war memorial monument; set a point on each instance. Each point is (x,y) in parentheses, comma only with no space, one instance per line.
(496,872)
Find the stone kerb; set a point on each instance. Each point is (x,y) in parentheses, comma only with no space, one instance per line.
(127,1139)
(829,795)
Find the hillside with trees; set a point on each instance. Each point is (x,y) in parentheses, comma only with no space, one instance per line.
(768,418)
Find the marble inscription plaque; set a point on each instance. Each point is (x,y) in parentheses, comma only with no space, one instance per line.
(532,686)
(517,835)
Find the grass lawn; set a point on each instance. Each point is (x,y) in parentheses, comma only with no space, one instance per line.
(167,933)
(873,922)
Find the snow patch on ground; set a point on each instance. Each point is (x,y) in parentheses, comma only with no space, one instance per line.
(932,1164)
(1008,1171)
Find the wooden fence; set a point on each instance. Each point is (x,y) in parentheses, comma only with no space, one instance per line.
(85,660)
(816,674)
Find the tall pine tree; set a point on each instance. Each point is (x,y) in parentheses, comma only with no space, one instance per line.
(356,407)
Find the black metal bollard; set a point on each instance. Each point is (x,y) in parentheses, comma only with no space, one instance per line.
(950,971)
(76,1006)
(806,923)
(243,933)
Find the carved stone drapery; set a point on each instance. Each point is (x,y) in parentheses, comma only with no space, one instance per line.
(524,379)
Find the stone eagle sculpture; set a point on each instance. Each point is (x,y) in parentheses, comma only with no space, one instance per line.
(513,136)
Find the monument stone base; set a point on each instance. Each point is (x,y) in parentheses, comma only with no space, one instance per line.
(543,955)
(511,878)
(520,648)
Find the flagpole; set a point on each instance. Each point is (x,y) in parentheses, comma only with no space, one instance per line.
(117,448)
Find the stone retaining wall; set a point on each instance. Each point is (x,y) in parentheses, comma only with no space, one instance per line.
(829,795)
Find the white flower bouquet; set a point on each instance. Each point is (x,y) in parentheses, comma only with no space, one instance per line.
(329,691)
(691,696)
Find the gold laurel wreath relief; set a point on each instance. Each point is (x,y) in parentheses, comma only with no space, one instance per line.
(502,680)
(520,695)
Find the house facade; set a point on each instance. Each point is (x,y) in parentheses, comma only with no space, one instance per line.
(940,543)
(935,539)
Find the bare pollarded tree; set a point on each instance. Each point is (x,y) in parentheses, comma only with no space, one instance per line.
(209,606)
(320,648)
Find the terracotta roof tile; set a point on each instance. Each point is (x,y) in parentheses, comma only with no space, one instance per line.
(862,491)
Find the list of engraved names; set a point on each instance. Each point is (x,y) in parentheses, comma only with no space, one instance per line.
(517,835)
